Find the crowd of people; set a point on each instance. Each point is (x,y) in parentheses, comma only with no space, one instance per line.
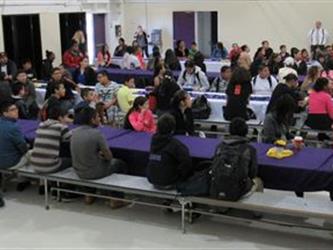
(299,81)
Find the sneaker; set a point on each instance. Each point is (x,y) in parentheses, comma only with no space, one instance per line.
(115,204)
(2,202)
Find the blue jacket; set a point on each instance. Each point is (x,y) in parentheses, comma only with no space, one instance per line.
(12,143)
(219,54)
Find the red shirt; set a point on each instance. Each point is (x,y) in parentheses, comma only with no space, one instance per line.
(70,60)
(143,121)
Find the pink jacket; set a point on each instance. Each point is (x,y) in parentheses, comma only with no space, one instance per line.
(142,122)
(320,103)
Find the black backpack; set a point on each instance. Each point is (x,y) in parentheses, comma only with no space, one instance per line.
(201,108)
(229,171)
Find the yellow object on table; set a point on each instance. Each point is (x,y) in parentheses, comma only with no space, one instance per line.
(279,153)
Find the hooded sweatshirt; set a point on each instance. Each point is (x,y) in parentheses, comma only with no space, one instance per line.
(169,161)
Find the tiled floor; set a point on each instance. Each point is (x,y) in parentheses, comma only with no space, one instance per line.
(25,224)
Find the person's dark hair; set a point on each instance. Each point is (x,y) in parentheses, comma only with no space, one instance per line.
(244,47)
(54,70)
(238,127)
(57,86)
(284,109)
(17,87)
(139,101)
(313,72)
(320,84)
(85,92)
(240,76)
(262,67)
(220,45)
(189,64)
(178,43)
(20,71)
(282,46)
(166,124)
(194,43)
(329,64)
(293,51)
(103,49)
(157,69)
(86,115)
(73,42)
(128,78)
(290,77)
(263,42)
(122,40)
(224,68)
(5,105)
(129,49)
(179,96)
(55,112)
(103,73)
(170,57)
(156,50)
(198,58)
(48,54)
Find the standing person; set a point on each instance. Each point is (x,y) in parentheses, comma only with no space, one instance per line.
(221,83)
(181,51)
(171,61)
(181,110)
(318,38)
(275,63)
(51,136)
(284,52)
(104,56)
(80,38)
(142,39)
(169,160)
(85,75)
(7,67)
(238,92)
(107,93)
(121,48)
(55,100)
(73,56)
(92,158)
(139,118)
(220,52)
(47,65)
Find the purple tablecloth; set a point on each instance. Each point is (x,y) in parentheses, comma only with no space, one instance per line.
(27,125)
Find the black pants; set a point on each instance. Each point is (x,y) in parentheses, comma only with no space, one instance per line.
(145,51)
(319,121)
(314,50)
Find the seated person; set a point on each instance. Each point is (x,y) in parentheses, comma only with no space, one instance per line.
(107,93)
(193,50)
(92,158)
(72,57)
(30,93)
(287,69)
(164,93)
(125,95)
(139,118)
(320,111)
(88,96)
(27,68)
(47,65)
(18,93)
(5,89)
(13,146)
(85,75)
(288,88)
(221,82)
(51,136)
(181,51)
(193,77)
(7,67)
(171,61)
(263,83)
(121,48)
(238,92)
(277,121)
(220,52)
(181,110)
(238,130)
(169,160)
(130,61)
(55,100)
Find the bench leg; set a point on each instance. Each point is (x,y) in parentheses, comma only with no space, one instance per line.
(183,207)
(331,195)
(46,195)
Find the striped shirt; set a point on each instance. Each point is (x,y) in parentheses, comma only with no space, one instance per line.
(45,154)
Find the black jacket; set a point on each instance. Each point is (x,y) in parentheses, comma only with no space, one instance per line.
(164,94)
(169,161)
(11,68)
(47,68)
(89,74)
(279,91)
(184,122)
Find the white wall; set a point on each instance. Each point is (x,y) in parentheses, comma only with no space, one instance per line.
(50,34)
(241,21)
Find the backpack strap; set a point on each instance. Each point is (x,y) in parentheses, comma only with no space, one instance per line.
(255,80)
(270,82)
(198,77)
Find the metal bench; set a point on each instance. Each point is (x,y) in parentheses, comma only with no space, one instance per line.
(273,202)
